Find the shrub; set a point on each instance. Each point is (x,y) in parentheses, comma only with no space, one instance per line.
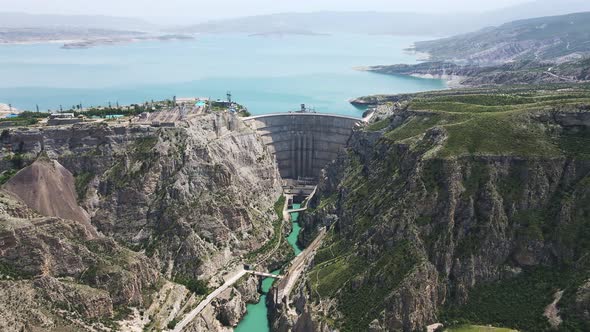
(172,324)
(196,286)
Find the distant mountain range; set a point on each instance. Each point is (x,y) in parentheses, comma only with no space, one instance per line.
(78,31)
(65,34)
(23,20)
(555,39)
(20,27)
(553,49)
(414,24)
(369,22)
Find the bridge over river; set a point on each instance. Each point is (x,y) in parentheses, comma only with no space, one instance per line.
(280,294)
(228,283)
(303,142)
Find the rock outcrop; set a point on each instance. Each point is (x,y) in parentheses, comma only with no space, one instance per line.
(164,205)
(68,273)
(48,188)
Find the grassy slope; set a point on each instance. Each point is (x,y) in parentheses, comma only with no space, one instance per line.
(518,302)
(480,123)
(336,267)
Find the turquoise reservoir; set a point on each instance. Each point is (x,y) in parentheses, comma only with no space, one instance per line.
(264,74)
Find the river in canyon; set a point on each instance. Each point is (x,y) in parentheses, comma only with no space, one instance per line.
(256,319)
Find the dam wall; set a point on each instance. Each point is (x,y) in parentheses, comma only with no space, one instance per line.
(304,143)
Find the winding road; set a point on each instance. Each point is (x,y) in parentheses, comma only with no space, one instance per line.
(298,266)
(191,315)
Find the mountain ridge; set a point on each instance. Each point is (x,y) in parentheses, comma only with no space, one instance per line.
(549,38)
(551,49)
(375,22)
(26,20)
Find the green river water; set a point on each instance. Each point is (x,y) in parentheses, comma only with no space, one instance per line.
(256,319)
(292,238)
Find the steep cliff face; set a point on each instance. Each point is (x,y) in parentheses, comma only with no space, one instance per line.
(177,193)
(433,219)
(193,197)
(171,204)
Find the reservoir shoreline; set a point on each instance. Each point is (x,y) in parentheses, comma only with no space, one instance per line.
(282,73)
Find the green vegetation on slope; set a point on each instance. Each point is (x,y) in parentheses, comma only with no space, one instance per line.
(25,118)
(196,286)
(518,302)
(142,155)
(477,328)
(456,176)
(81,182)
(361,286)
(277,232)
(6,175)
(504,123)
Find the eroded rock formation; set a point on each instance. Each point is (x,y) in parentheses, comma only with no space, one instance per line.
(140,208)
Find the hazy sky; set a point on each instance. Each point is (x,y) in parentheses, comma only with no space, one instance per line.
(231,8)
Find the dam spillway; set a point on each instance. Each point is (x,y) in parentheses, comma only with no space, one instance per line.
(304,143)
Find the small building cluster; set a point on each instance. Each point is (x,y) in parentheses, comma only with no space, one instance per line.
(64,118)
(196,101)
(166,113)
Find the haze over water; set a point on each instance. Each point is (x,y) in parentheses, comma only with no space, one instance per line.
(266,74)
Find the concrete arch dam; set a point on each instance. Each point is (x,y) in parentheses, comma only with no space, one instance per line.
(304,143)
